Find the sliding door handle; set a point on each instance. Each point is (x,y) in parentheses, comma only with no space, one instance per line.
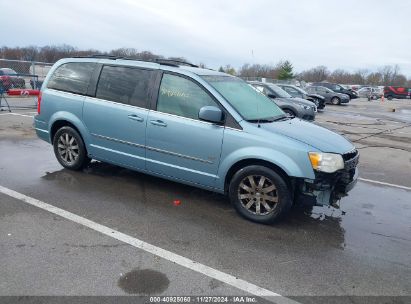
(135,117)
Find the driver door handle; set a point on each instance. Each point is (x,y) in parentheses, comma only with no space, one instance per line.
(159,123)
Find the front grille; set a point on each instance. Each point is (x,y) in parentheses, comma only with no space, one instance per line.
(350,163)
(350,155)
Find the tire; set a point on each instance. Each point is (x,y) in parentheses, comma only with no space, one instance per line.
(253,202)
(290,112)
(335,100)
(390,97)
(69,149)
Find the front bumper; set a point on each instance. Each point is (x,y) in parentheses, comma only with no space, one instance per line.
(306,114)
(321,104)
(329,188)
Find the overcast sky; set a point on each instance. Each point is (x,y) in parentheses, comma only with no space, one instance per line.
(339,34)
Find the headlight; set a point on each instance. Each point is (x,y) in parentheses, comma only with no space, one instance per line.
(304,106)
(326,162)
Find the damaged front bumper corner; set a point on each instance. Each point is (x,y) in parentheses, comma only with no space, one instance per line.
(326,188)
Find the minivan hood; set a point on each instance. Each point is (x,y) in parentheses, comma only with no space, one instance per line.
(310,134)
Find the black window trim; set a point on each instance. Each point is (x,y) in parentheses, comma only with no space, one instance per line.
(229,120)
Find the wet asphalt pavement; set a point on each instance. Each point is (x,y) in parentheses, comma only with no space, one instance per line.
(363,249)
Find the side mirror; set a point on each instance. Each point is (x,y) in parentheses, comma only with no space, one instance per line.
(271,96)
(211,114)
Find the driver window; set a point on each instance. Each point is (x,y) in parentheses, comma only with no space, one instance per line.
(181,96)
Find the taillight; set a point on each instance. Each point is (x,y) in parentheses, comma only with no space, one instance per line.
(39,103)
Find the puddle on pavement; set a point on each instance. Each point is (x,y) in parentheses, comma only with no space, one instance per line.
(144,281)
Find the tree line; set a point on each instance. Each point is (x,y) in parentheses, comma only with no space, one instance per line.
(51,54)
(385,75)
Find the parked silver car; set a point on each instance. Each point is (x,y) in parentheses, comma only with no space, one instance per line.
(370,93)
(329,95)
(294,107)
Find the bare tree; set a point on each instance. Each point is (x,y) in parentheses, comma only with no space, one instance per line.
(374,79)
(258,70)
(317,74)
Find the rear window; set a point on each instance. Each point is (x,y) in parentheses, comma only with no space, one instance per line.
(124,85)
(72,77)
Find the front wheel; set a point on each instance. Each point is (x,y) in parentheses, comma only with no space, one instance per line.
(260,194)
(290,113)
(69,149)
(335,101)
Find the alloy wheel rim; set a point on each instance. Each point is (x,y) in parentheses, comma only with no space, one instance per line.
(258,194)
(68,148)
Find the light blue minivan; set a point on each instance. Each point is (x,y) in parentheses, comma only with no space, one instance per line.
(192,125)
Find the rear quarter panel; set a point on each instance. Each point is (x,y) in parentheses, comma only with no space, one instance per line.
(56,106)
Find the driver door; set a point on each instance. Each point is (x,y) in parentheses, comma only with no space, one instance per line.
(179,145)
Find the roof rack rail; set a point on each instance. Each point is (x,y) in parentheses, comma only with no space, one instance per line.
(113,57)
(169,62)
(174,62)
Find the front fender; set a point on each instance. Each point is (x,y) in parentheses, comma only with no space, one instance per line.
(74,120)
(301,169)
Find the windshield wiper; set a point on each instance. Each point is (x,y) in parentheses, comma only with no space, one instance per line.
(282,118)
(269,119)
(259,120)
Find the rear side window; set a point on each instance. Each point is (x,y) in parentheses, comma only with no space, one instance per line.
(182,97)
(124,85)
(72,77)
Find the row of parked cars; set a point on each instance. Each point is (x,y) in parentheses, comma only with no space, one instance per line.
(304,103)
(376,92)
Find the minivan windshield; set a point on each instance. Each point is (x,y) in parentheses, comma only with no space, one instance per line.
(249,103)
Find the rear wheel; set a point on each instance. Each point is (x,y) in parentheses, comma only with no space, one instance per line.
(335,100)
(390,97)
(69,149)
(260,194)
